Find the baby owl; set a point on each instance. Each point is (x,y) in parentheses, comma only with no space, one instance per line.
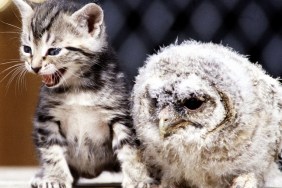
(207,117)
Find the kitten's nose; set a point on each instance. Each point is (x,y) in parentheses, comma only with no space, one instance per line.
(36,69)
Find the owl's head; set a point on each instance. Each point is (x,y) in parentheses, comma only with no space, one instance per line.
(189,90)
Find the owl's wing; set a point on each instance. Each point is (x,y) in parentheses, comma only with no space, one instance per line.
(273,178)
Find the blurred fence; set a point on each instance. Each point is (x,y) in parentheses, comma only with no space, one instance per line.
(137,28)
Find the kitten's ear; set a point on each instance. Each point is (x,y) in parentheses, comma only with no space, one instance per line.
(24,8)
(89,17)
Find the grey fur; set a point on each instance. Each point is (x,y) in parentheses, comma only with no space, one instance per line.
(207,117)
(83,109)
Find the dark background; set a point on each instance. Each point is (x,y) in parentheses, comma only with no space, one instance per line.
(136,29)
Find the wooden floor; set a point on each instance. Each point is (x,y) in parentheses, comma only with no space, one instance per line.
(19,177)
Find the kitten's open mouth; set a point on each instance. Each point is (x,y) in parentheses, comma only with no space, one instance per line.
(53,79)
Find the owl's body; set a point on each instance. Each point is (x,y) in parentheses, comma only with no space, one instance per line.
(207,117)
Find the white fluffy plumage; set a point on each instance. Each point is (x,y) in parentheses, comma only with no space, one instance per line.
(207,117)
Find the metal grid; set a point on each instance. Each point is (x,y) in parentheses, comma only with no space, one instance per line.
(137,28)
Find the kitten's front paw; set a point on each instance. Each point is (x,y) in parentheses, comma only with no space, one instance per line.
(49,183)
(245,181)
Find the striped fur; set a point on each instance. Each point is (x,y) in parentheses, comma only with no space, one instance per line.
(82,124)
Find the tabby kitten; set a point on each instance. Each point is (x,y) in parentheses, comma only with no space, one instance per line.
(82,120)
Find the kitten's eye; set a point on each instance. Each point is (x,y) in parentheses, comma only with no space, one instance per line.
(192,103)
(27,49)
(54,51)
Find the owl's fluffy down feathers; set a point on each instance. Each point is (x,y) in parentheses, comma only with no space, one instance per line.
(231,135)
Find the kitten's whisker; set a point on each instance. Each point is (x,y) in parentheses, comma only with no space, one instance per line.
(17,16)
(11,59)
(60,76)
(75,75)
(78,78)
(12,78)
(9,73)
(14,38)
(10,32)
(9,68)
(72,73)
(21,78)
(64,82)
(14,26)
(10,62)
(81,81)
(16,71)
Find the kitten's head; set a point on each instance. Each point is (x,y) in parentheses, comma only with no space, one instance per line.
(59,38)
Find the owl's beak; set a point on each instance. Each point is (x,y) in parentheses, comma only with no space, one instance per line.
(168,121)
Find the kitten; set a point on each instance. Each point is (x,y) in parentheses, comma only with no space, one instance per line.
(82,119)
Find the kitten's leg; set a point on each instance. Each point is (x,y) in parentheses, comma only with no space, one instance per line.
(51,146)
(135,173)
(245,181)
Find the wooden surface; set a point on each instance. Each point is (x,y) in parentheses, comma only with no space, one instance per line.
(19,177)
(17,99)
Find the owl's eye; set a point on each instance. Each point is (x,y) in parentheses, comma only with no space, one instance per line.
(154,102)
(193,103)
(53,51)
(27,49)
